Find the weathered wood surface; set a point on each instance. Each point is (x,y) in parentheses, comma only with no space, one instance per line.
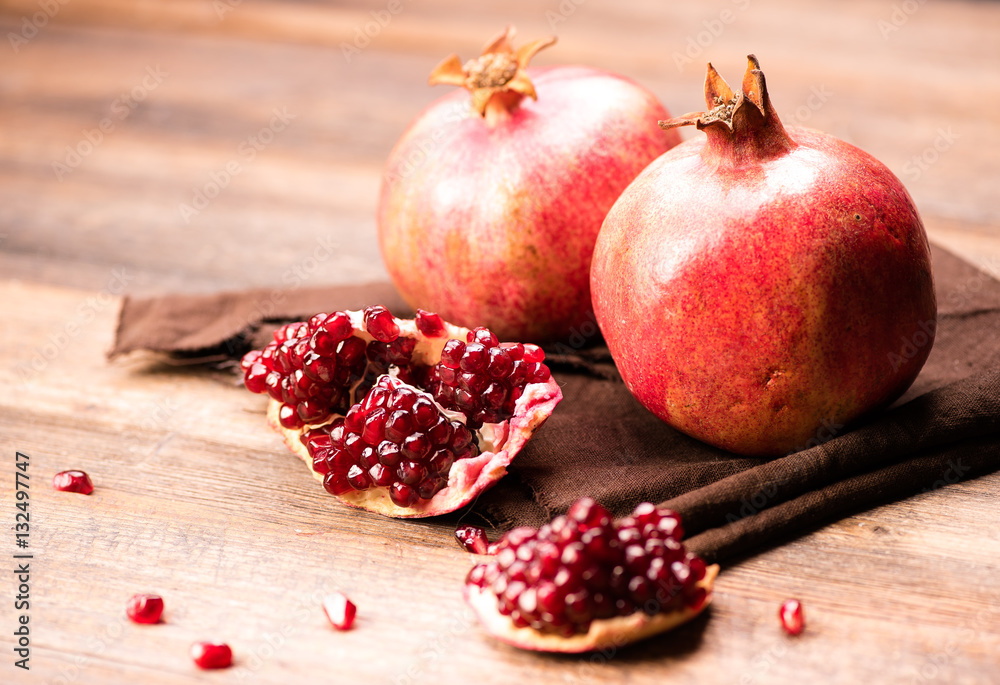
(197,500)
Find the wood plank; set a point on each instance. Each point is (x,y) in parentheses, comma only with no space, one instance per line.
(198,500)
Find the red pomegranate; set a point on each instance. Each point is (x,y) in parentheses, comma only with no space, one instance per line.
(404,417)
(488,214)
(762,287)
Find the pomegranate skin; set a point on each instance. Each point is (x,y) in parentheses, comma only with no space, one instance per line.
(761,305)
(493,222)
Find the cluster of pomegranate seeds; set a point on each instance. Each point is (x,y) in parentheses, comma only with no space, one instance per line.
(339,610)
(316,368)
(584,566)
(144,608)
(73,481)
(396,438)
(483,378)
(473,539)
(211,655)
(792,618)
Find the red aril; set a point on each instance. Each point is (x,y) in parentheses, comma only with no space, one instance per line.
(472,539)
(792,618)
(406,417)
(763,286)
(73,481)
(339,610)
(209,655)
(488,213)
(144,608)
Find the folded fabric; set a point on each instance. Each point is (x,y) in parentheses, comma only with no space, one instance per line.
(600,442)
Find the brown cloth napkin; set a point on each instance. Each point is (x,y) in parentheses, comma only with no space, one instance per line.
(602,443)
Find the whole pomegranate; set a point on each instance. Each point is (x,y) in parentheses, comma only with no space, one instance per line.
(488,214)
(404,417)
(762,287)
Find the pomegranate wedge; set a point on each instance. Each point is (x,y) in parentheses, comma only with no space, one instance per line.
(585,582)
(404,417)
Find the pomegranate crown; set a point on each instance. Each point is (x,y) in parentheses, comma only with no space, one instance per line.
(743,123)
(499,69)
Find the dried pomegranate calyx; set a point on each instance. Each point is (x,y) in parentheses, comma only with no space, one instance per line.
(498,71)
(741,125)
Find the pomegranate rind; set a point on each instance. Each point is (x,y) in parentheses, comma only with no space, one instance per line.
(603,633)
(468,478)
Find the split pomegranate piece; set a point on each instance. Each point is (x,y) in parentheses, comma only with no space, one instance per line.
(210,655)
(144,608)
(73,481)
(473,539)
(792,618)
(584,582)
(339,610)
(405,417)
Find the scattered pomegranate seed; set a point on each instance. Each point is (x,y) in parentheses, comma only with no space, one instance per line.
(473,539)
(144,608)
(339,610)
(791,617)
(585,566)
(211,655)
(73,481)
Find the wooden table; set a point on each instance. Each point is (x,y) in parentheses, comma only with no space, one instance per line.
(197,500)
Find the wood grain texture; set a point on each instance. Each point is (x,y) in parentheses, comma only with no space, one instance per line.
(198,500)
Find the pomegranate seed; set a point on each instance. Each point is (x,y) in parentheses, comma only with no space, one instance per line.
(144,608)
(339,610)
(585,566)
(430,324)
(473,539)
(792,619)
(381,324)
(338,325)
(208,655)
(73,481)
